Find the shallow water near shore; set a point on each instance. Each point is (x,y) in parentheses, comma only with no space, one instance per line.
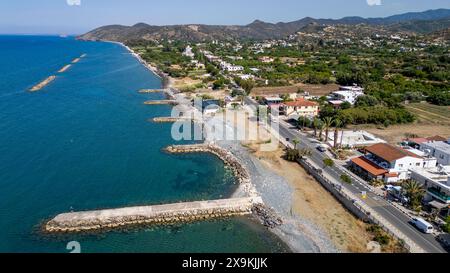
(84,142)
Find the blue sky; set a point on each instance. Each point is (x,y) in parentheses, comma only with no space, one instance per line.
(57,16)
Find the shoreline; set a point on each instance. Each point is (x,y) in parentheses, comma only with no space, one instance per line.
(166,80)
(299,239)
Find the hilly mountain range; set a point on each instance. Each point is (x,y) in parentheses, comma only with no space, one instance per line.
(414,22)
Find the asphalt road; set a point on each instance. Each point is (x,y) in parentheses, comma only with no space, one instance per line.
(395,217)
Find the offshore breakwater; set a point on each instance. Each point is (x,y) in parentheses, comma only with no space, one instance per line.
(76,222)
(50,79)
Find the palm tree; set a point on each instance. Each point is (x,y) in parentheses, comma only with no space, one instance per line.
(337,124)
(296,142)
(316,125)
(328,121)
(321,127)
(415,192)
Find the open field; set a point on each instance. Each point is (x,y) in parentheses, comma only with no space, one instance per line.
(431,113)
(186,83)
(395,134)
(313,89)
(431,120)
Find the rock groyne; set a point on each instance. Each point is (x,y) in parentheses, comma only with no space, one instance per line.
(149,91)
(161,102)
(172,120)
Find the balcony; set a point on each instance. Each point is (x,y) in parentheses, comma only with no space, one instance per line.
(438,194)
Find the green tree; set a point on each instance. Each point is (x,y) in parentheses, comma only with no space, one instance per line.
(366,101)
(328,122)
(447,224)
(346,179)
(321,128)
(337,124)
(328,162)
(296,142)
(415,193)
(292,155)
(316,125)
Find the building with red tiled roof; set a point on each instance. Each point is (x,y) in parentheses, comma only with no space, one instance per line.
(300,108)
(390,163)
(389,152)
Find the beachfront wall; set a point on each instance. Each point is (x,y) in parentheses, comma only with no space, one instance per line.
(335,190)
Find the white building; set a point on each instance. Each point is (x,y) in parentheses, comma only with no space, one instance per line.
(188,52)
(246,77)
(437,184)
(231,68)
(438,149)
(348,94)
(390,163)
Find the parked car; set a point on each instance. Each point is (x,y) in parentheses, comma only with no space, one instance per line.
(321,149)
(444,239)
(422,225)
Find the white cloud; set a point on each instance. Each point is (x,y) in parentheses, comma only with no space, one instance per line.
(374,2)
(74,2)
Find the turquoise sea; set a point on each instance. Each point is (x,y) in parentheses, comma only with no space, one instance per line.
(84,142)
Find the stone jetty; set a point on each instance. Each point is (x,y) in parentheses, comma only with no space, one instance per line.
(147,91)
(42,84)
(171,120)
(76,222)
(161,102)
(227,157)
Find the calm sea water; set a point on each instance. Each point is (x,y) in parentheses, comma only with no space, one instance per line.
(84,142)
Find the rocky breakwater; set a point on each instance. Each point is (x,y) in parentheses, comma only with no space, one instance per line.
(89,221)
(42,84)
(161,102)
(173,120)
(268,217)
(150,91)
(239,171)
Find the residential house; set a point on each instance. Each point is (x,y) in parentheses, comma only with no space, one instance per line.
(417,142)
(390,163)
(437,184)
(347,94)
(272,101)
(188,52)
(299,108)
(231,68)
(438,149)
(266,59)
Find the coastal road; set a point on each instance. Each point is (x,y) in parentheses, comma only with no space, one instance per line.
(396,218)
